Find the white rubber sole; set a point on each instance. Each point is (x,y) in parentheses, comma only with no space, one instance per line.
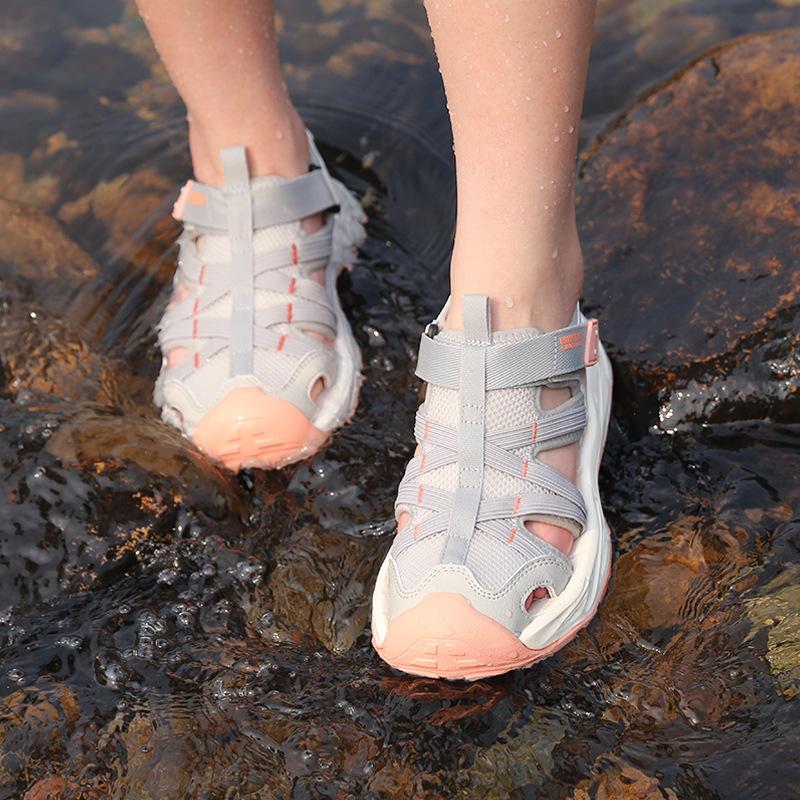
(591,556)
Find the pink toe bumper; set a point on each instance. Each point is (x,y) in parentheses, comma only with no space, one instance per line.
(443,636)
(252,429)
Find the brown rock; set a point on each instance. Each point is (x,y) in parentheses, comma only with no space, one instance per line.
(776,609)
(322,583)
(36,247)
(689,208)
(42,191)
(43,354)
(651,581)
(49,788)
(125,205)
(617,780)
(105,440)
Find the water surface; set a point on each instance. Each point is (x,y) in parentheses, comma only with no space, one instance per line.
(171,631)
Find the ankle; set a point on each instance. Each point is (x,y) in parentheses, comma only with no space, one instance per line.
(542,294)
(276,145)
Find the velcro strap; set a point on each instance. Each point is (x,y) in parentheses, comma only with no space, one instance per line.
(530,361)
(205,206)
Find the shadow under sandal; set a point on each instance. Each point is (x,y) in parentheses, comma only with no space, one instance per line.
(259,362)
(467,591)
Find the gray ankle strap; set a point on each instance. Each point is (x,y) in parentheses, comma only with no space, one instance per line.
(531,361)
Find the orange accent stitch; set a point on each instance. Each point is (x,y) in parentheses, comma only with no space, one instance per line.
(525,468)
(517,504)
(196,307)
(420,494)
(422,461)
(194,328)
(281,342)
(294,253)
(425,434)
(202,274)
(292,285)
(196,360)
(571,341)
(533,431)
(415,534)
(289,312)
(512,534)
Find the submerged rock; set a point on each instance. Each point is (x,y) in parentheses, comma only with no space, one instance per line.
(43,354)
(776,610)
(321,583)
(125,205)
(35,246)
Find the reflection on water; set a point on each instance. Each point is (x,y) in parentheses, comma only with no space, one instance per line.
(170,631)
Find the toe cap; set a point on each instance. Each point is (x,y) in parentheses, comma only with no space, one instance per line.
(250,428)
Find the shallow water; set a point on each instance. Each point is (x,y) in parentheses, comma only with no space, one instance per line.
(169,631)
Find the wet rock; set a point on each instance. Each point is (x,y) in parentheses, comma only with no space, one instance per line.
(125,205)
(91,495)
(36,725)
(322,583)
(776,610)
(521,758)
(42,354)
(36,248)
(652,581)
(41,192)
(618,780)
(688,207)
(153,98)
(103,439)
(49,788)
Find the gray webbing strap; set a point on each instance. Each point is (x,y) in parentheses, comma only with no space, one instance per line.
(300,197)
(471,433)
(236,188)
(533,360)
(288,201)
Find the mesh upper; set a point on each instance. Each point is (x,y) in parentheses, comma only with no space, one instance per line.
(215,251)
(491,561)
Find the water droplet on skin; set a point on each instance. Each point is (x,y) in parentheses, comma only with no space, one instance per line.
(528,97)
(508,18)
(555,253)
(556,138)
(279,134)
(571,129)
(558,34)
(566,109)
(509,302)
(541,188)
(555,69)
